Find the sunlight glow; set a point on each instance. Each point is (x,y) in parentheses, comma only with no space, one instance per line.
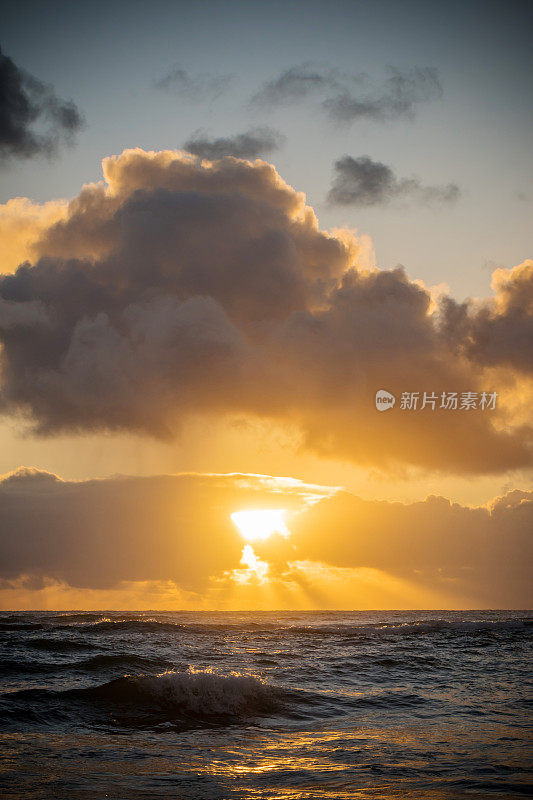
(259,525)
(253,563)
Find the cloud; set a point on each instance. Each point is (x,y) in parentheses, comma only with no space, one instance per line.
(294,84)
(97,533)
(481,552)
(174,532)
(363,182)
(22,223)
(346,98)
(180,287)
(497,332)
(253,143)
(29,316)
(378,332)
(33,120)
(197,88)
(398,97)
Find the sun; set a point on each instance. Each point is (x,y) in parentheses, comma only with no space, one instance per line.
(259,525)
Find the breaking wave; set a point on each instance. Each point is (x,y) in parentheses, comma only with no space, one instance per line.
(201,694)
(191,697)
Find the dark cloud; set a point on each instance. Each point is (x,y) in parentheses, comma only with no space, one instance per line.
(295,84)
(378,332)
(363,182)
(180,287)
(349,98)
(33,120)
(180,82)
(399,96)
(253,143)
(497,332)
(175,267)
(97,534)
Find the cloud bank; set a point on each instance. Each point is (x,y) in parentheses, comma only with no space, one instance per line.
(181,286)
(102,534)
(363,182)
(33,119)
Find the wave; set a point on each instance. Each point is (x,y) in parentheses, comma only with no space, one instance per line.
(415,628)
(119,660)
(191,697)
(78,617)
(184,700)
(201,694)
(98,663)
(109,625)
(454,626)
(97,624)
(106,625)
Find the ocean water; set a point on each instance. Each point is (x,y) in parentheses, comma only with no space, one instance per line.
(265,705)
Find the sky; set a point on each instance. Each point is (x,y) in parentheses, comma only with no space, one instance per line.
(224,226)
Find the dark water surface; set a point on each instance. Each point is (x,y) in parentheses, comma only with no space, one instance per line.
(265,705)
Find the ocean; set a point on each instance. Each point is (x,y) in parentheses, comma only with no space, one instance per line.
(284,705)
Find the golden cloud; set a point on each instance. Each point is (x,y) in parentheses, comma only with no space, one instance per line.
(168,541)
